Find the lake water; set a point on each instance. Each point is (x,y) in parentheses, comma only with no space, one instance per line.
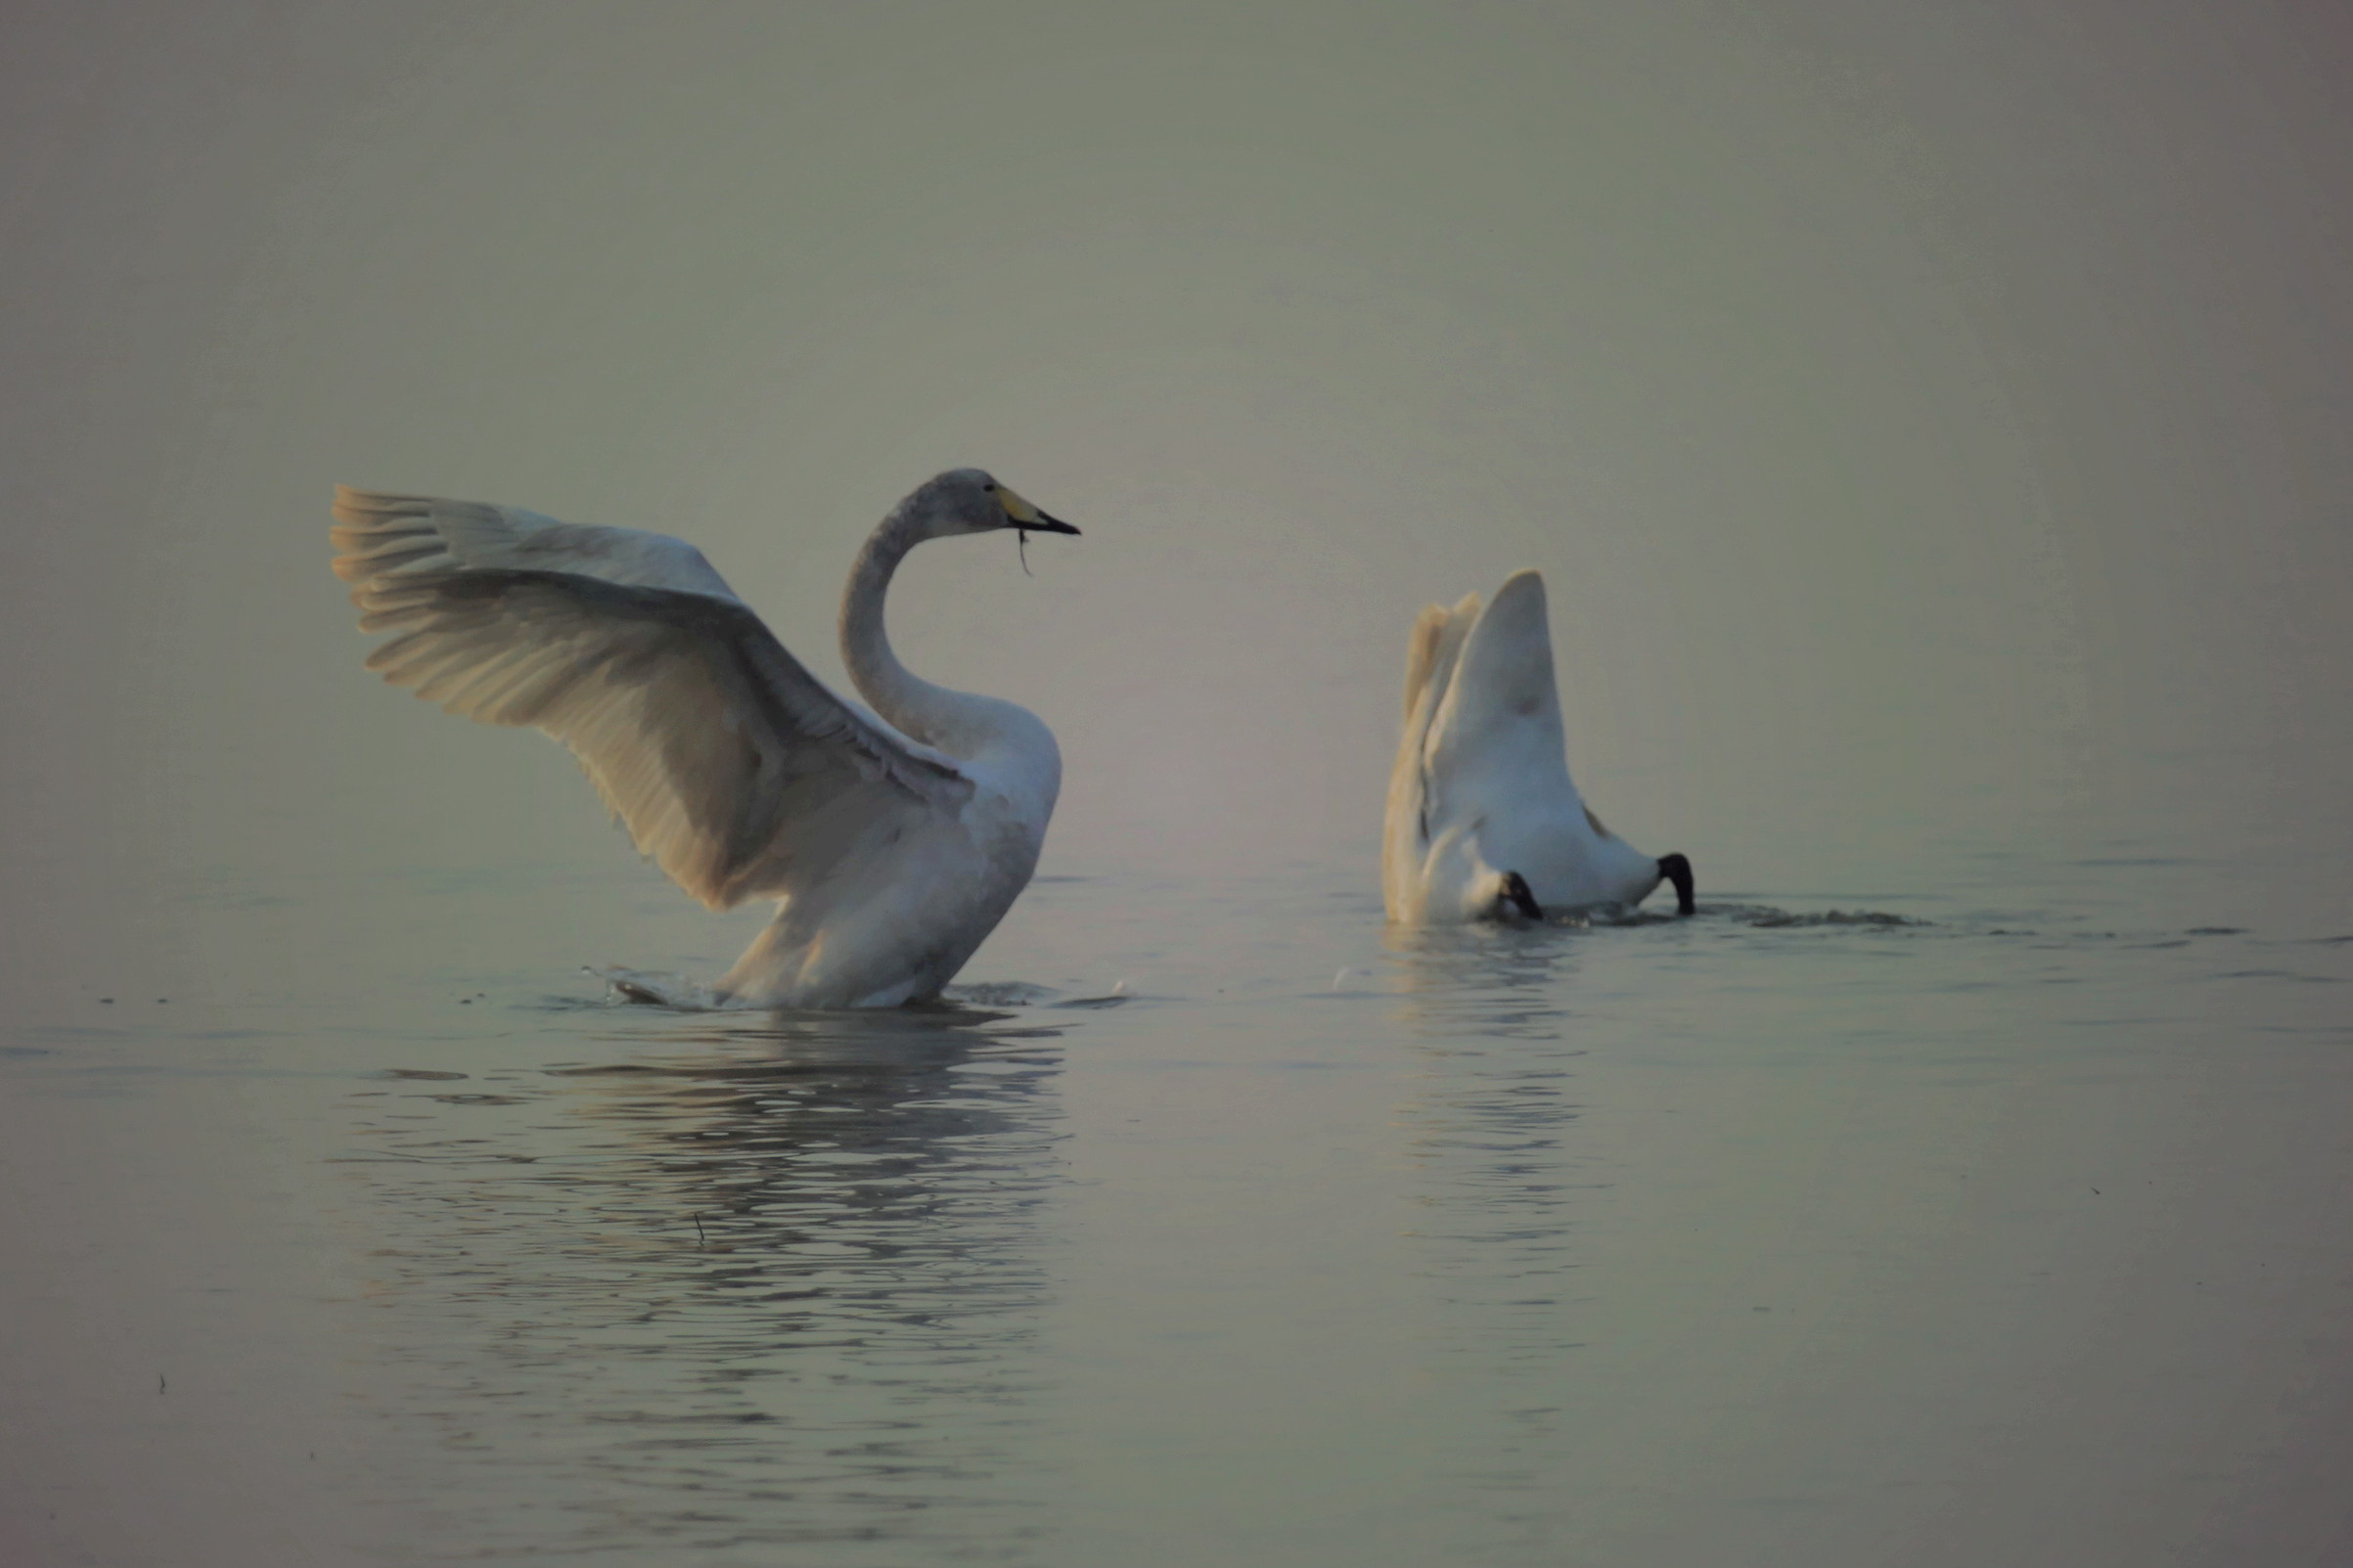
(1989,1212)
(1930,423)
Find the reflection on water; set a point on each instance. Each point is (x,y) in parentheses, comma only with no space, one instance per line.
(1629,1243)
(1496,1177)
(1491,980)
(1512,1160)
(761,1282)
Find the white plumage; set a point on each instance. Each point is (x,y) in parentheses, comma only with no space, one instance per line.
(1482,820)
(894,845)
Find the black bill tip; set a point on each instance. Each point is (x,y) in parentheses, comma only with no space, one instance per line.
(1677,870)
(1041,523)
(1522,896)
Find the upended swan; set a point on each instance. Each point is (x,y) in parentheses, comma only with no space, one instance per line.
(894,845)
(1482,820)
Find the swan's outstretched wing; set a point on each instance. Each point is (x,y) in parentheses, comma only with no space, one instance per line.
(1500,702)
(1495,743)
(732,766)
(1438,634)
(379,532)
(1429,660)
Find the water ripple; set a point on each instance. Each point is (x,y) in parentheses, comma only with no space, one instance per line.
(702,1277)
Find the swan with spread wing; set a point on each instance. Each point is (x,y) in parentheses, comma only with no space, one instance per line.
(892,845)
(1483,822)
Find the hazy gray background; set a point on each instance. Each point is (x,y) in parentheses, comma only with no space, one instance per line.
(1930,421)
(1917,412)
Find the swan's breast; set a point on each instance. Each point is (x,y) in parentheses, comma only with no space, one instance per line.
(1016,761)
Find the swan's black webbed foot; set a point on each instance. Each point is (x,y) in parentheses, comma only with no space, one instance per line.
(1677,870)
(1522,897)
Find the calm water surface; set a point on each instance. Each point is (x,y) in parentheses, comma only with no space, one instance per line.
(1992,1218)
(1924,416)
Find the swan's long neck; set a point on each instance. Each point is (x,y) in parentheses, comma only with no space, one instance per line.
(931,714)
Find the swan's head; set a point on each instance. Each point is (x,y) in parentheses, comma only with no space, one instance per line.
(966,500)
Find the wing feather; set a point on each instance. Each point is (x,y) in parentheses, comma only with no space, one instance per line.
(732,766)
(380,533)
(1434,645)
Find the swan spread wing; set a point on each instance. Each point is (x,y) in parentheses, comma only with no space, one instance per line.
(1501,695)
(379,532)
(1430,661)
(733,767)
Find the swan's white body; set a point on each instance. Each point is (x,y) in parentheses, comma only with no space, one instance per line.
(892,845)
(1480,789)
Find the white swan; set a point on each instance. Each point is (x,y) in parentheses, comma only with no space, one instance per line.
(1482,819)
(893,848)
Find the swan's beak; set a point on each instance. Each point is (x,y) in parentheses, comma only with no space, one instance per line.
(1677,870)
(1020,513)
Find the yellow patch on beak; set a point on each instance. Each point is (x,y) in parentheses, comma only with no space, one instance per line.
(1021,510)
